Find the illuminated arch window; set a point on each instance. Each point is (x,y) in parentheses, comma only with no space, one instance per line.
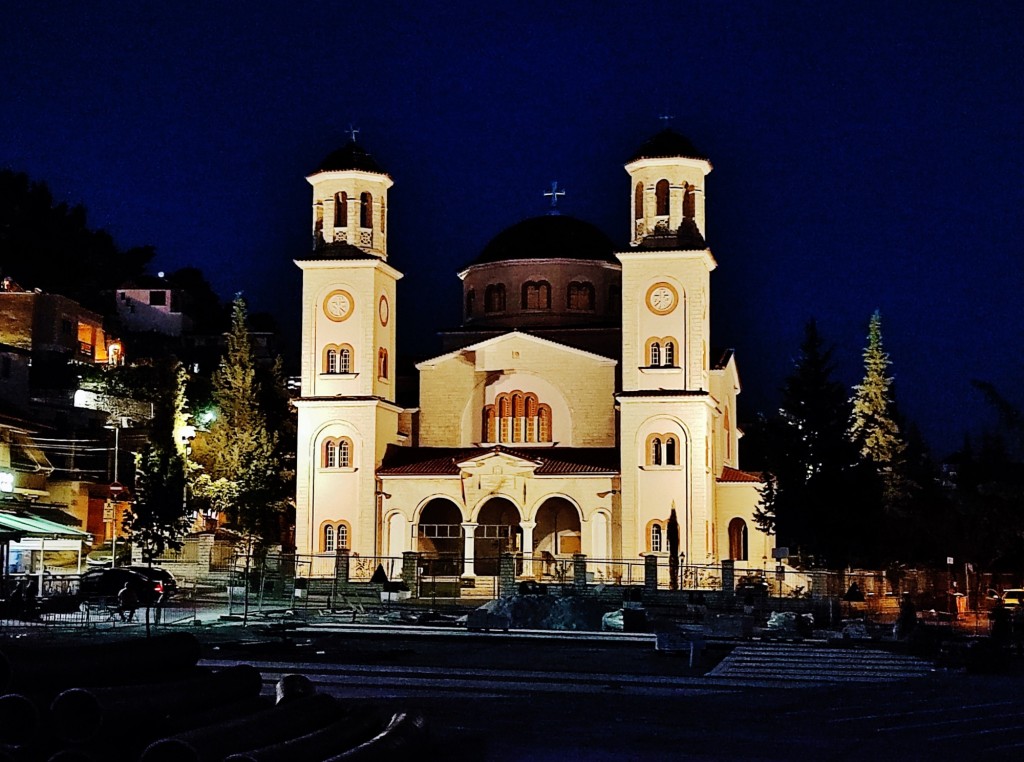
(662,352)
(341,210)
(494,298)
(337,452)
(580,296)
(536,295)
(334,536)
(638,201)
(343,535)
(661,198)
(656,537)
(517,417)
(382,363)
(365,210)
(337,358)
(662,450)
(690,202)
(328,543)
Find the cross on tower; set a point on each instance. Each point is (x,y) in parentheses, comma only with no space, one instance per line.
(353,131)
(554,193)
(666,118)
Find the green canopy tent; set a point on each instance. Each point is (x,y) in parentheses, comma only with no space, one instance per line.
(22,532)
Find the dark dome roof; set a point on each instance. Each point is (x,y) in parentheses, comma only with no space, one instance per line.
(351,156)
(667,144)
(549,237)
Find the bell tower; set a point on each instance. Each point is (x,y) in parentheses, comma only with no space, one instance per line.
(347,411)
(350,200)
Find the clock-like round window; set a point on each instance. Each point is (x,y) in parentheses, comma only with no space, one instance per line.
(662,298)
(338,305)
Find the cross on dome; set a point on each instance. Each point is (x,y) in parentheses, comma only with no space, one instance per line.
(353,131)
(554,194)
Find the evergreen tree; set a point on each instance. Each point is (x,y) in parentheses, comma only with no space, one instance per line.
(239,454)
(873,426)
(813,489)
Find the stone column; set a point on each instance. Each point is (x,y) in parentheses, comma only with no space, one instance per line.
(328,221)
(411,570)
(507,575)
(469,549)
(530,568)
(650,573)
(728,576)
(675,206)
(341,566)
(579,572)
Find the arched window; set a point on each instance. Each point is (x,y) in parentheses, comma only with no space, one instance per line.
(638,201)
(661,198)
(580,296)
(470,302)
(337,359)
(344,360)
(365,210)
(494,298)
(536,295)
(690,202)
(655,354)
(738,539)
(670,354)
(337,453)
(343,535)
(517,417)
(656,543)
(544,423)
(328,539)
(332,360)
(341,210)
(655,451)
(382,363)
(728,435)
(671,451)
(490,421)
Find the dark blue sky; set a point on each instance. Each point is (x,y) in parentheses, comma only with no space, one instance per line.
(867,155)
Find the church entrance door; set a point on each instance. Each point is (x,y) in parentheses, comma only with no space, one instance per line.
(439,538)
(497,532)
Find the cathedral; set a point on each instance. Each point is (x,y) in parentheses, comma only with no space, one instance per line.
(577,406)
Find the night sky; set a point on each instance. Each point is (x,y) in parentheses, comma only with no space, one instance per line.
(866,155)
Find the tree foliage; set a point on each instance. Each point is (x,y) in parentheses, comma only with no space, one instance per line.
(873,426)
(240,455)
(49,245)
(815,492)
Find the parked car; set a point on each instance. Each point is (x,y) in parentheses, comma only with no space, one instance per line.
(1014,598)
(107,583)
(168,585)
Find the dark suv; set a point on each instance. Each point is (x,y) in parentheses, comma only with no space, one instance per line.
(107,583)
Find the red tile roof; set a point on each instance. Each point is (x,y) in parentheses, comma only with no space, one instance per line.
(733,475)
(552,461)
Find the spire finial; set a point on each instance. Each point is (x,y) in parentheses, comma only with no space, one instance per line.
(666,117)
(353,131)
(554,194)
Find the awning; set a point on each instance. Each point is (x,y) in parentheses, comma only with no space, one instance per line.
(36,531)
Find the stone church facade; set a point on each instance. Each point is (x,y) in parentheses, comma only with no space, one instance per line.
(577,405)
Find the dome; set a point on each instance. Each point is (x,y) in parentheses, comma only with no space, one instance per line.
(549,237)
(351,156)
(667,144)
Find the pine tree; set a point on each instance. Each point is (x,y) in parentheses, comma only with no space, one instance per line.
(811,484)
(239,455)
(873,426)
(872,421)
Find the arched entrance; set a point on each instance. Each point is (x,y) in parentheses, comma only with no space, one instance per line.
(558,534)
(439,538)
(497,532)
(738,539)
